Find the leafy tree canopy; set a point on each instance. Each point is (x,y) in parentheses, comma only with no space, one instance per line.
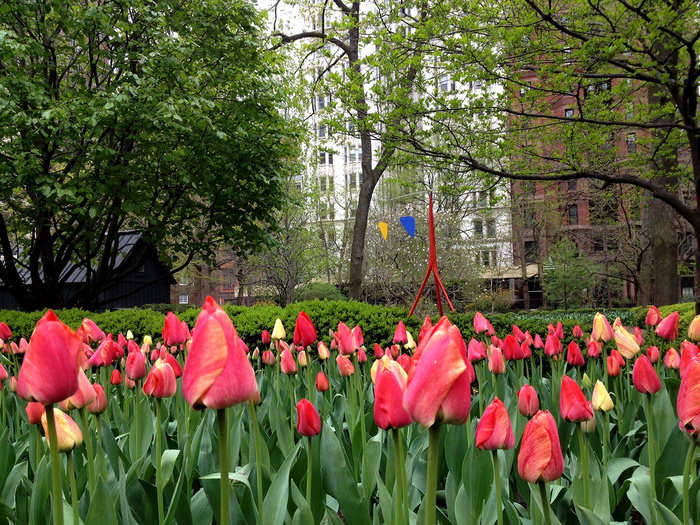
(162,117)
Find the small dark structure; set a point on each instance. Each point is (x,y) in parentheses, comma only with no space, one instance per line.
(148,284)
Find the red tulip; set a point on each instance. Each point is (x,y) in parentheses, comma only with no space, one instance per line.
(175,332)
(268,358)
(573,405)
(5,332)
(668,327)
(538,342)
(136,365)
(439,381)
(378,351)
(518,333)
(3,373)
(345,339)
(34,412)
(361,356)
(107,352)
(497,364)
(594,348)
(618,357)
(116,377)
(638,335)
(357,335)
(494,430)
(512,349)
(265,336)
(644,376)
(613,366)
(89,331)
(672,359)
(688,353)
(170,359)
(577,332)
(559,330)
(404,360)
(476,350)
(425,329)
(321,382)
(481,324)
(573,355)
(82,397)
(304,331)
(308,420)
(68,433)
(653,316)
(287,364)
(161,381)
(130,383)
(389,387)
(49,372)
(217,371)
(99,405)
(540,456)
(525,350)
(345,366)
(528,402)
(653,354)
(400,334)
(553,345)
(688,401)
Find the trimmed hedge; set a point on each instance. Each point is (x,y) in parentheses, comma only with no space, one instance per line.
(377,322)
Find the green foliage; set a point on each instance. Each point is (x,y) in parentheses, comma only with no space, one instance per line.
(323,291)
(163,117)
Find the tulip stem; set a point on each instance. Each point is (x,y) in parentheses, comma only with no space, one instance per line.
(88,448)
(292,404)
(652,459)
(361,403)
(431,486)
(73,488)
(545,502)
(401,514)
(480,374)
(584,461)
(57,496)
(4,407)
(258,456)
(159,454)
(689,460)
(309,383)
(606,437)
(497,482)
(223,464)
(309,469)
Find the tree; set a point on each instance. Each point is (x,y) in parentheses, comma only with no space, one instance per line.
(160,117)
(588,90)
(568,276)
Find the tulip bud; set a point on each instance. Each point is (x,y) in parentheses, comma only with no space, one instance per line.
(129,335)
(345,366)
(287,364)
(278,330)
(601,399)
(496,363)
(265,337)
(389,389)
(147,340)
(540,456)
(537,343)
(99,405)
(136,365)
(361,356)
(68,434)
(13,384)
(602,331)
(3,373)
(694,329)
(400,336)
(688,401)
(577,332)
(553,345)
(160,381)
(256,354)
(34,412)
(116,377)
(302,359)
(653,354)
(321,382)
(405,361)
(308,420)
(668,327)
(587,383)
(672,359)
(410,343)
(323,352)
(304,331)
(638,335)
(644,376)
(653,316)
(268,358)
(82,397)
(476,350)
(626,343)
(594,348)
(346,340)
(528,402)
(5,332)
(573,404)
(494,430)
(574,356)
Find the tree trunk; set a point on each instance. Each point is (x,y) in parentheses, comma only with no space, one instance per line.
(357,251)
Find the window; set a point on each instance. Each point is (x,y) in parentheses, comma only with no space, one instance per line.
(491,228)
(569,113)
(183,299)
(351,180)
(571,185)
(486,258)
(445,83)
(322,131)
(325,158)
(478,84)
(323,101)
(483,199)
(631,142)
(529,217)
(530,251)
(478,228)
(572,214)
(354,154)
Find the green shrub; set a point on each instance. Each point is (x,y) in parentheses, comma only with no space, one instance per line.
(322,291)
(377,322)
